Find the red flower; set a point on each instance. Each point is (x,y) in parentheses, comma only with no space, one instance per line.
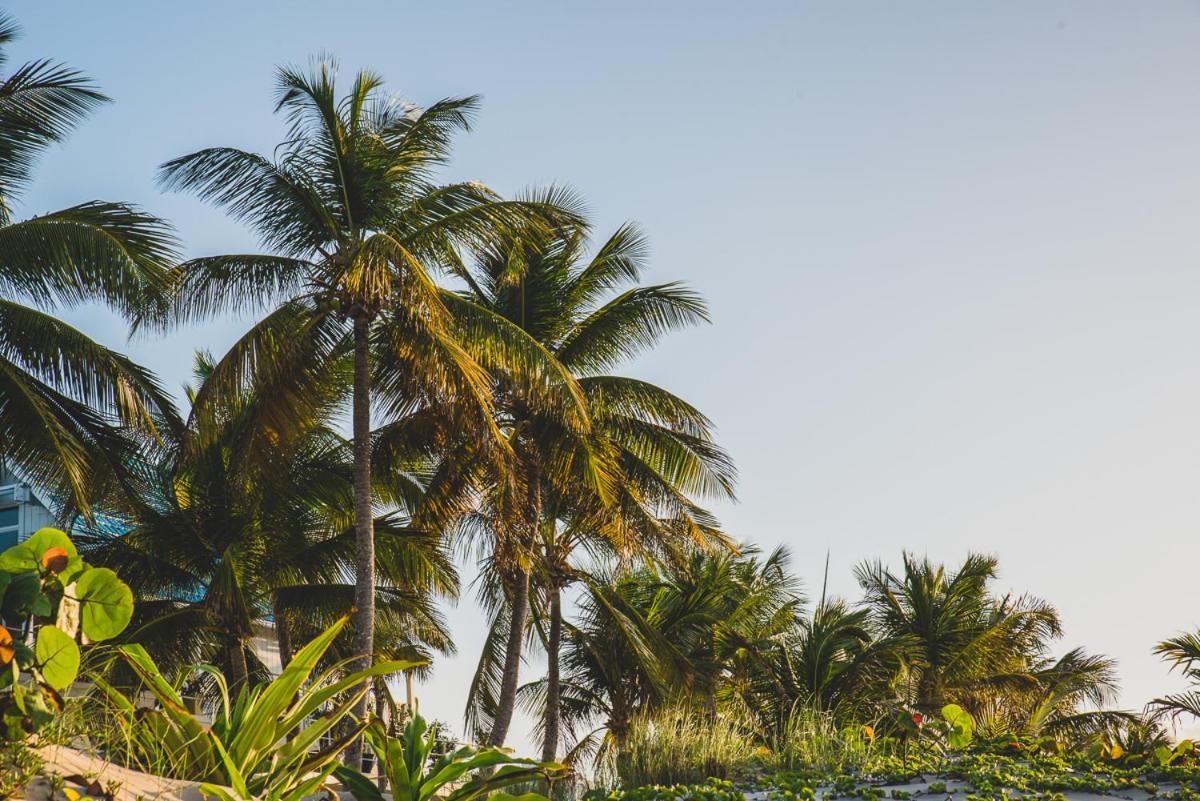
(918,718)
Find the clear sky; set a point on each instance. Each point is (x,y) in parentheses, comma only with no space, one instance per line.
(951,249)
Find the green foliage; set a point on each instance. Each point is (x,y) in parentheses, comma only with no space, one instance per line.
(789,786)
(230,527)
(260,742)
(959,726)
(1029,773)
(107,603)
(19,764)
(50,597)
(815,742)
(1185,750)
(710,790)
(61,392)
(678,745)
(415,771)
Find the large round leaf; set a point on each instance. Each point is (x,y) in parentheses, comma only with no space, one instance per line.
(58,657)
(962,726)
(107,603)
(23,597)
(27,556)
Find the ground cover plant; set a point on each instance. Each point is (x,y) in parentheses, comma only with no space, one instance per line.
(943,762)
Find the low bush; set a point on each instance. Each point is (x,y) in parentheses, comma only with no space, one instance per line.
(416,772)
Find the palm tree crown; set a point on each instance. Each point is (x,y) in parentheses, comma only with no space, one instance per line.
(61,393)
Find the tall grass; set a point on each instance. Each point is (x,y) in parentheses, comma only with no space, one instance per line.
(678,745)
(92,724)
(812,740)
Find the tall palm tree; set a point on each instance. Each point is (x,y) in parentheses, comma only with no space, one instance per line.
(60,392)
(232,526)
(625,483)
(355,225)
(954,635)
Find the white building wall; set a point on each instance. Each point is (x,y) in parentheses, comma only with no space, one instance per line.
(30,514)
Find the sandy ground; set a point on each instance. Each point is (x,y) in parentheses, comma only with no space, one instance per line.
(124,784)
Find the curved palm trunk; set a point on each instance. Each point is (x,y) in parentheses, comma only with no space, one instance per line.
(507,703)
(239,670)
(553,690)
(364,590)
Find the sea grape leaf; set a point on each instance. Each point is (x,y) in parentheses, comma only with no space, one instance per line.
(962,726)
(27,555)
(58,657)
(107,603)
(21,597)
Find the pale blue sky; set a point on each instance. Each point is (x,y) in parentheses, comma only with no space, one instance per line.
(950,248)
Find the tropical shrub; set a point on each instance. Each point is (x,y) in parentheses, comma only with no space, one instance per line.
(51,603)
(260,742)
(415,772)
(677,745)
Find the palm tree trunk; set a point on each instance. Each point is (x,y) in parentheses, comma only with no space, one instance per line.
(239,671)
(364,590)
(507,702)
(553,709)
(381,712)
(283,636)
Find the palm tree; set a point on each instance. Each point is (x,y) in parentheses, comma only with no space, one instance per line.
(616,663)
(1067,702)
(60,392)
(953,635)
(626,482)
(1181,653)
(725,612)
(231,526)
(355,225)
(691,634)
(831,661)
